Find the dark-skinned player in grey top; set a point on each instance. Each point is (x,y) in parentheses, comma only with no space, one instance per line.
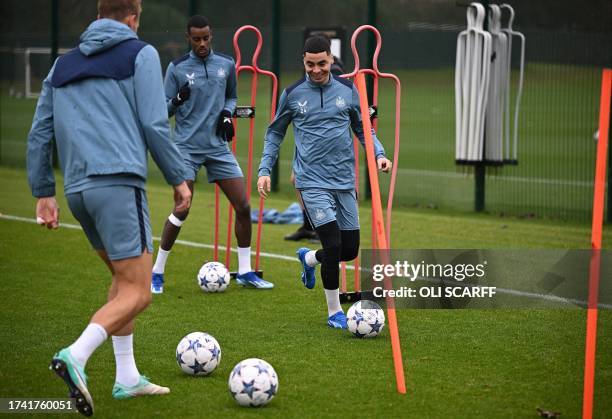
(201,95)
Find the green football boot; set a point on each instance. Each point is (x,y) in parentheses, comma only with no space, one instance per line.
(69,370)
(143,388)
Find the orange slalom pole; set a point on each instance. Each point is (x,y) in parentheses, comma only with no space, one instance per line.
(343,283)
(216,232)
(230,214)
(249,176)
(380,228)
(273,99)
(251,135)
(398,90)
(596,235)
(255,70)
(377,74)
(356,262)
(375,126)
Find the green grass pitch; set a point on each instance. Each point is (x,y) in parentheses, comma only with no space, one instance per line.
(458,363)
(554,177)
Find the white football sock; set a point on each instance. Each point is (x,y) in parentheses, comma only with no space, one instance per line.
(311,258)
(160,262)
(92,337)
(126,373)
(333,301)
(244,260)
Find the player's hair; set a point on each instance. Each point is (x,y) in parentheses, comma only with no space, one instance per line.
(197,21)
(119,9)
(316,44)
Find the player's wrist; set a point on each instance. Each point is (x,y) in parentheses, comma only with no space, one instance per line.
(44,192)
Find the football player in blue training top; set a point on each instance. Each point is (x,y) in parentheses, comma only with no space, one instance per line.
(323,108)
(104,104)
(201,94)
(306,230)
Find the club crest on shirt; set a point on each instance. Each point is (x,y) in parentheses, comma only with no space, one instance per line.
(319,214)
(340,102)
(221,72)
(190,78)
(302,106)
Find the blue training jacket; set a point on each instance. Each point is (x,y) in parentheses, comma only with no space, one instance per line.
(322,116)
(212,81)
(105,105)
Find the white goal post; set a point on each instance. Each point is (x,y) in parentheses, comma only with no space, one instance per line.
(27,52)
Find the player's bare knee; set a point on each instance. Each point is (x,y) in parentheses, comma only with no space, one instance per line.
(145,299)
(243,210)
(142,300)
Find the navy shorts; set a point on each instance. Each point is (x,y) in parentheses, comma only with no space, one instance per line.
(220,164)
(115,219)
(326,205)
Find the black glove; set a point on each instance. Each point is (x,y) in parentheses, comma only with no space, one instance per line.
(373,111)
(225,128)
(182,96)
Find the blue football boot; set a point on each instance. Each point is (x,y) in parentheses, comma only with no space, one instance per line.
(251,280)
(308,272)
(157,283)
(337,320)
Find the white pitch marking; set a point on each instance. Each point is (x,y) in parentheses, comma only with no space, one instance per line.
(293,259)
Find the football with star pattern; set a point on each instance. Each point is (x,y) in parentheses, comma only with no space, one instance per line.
(198,354)
(365,319)
(253,382)
(213,277)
